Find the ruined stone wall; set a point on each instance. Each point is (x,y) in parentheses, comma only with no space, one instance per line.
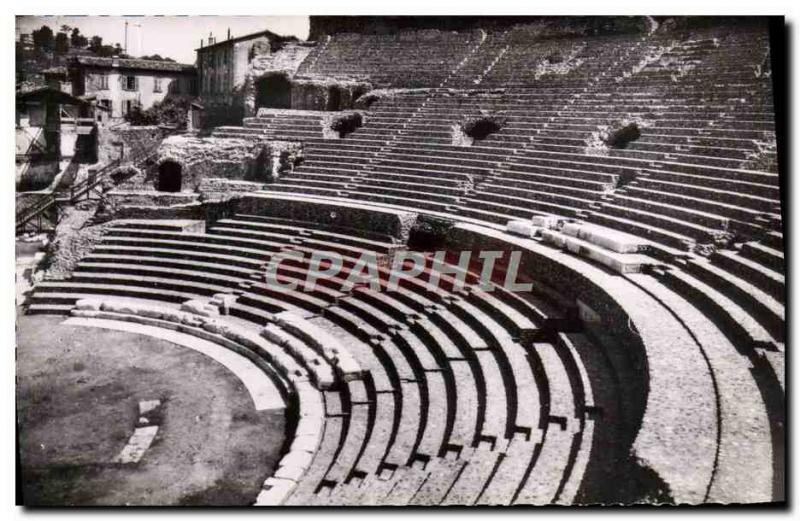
(208,157)
(160,199)
(315,94)
(216,114)
(132,179)
(133,139)
(307,93)
(356,219)
(216,186)
(120,204)
(287,60)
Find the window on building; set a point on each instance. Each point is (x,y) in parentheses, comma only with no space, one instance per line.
(129,82)
(156,84)
(102,81)
(129,105)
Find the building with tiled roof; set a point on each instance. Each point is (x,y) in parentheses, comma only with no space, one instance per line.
(121,84)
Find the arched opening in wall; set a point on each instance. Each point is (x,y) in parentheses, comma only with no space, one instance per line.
(622,136)
(274,90)
(334,101)
(169,177)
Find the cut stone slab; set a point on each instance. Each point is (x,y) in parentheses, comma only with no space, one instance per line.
(146,406)
(199,307)
(88,304)
(137,445)
(275,491)
(544,221)
(522,228)
(613,240)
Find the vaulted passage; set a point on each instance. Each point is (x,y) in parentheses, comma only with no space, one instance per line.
(274,91)
(169,177)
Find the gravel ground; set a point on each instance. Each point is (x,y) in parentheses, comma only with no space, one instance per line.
(78,391)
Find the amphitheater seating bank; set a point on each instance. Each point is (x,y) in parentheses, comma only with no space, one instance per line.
(646,364)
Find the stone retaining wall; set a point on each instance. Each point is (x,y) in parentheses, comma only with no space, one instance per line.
(357,219)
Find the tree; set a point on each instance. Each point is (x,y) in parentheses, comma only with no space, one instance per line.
(171,111)
(77,40)
(158,58)
(43,39)
(105,51)
(95,44)
(61,44)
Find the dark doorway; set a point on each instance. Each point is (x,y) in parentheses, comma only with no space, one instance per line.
(334,98)
(169,177)
(274,91)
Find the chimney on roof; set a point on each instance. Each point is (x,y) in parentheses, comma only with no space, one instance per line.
(201,43)
(229,33)
(210,39)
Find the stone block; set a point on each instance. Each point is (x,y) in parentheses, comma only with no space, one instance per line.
(85,313)
(275,491)
(212,326)
(172,315)
(275,335)
(306,443)
(522,228)
(198,307)
(309,425)
(554,238)
(609,239)
(224,301)
(89,304)
(293,465)
(544,221)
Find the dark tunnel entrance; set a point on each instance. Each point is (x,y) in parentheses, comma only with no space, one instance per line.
(274,91)
(169,177)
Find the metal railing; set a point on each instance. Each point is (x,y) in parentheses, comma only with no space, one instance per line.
(78,190)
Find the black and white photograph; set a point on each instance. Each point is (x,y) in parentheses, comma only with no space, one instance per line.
(399,261)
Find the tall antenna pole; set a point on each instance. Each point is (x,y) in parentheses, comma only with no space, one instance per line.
(126,37)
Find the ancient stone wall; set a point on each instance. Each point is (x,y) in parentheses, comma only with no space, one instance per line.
(227,186)
(207,157)
(287,60)
(326,93)
(110,141)
(355,218)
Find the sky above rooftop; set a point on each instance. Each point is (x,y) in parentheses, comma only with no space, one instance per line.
(173,36)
